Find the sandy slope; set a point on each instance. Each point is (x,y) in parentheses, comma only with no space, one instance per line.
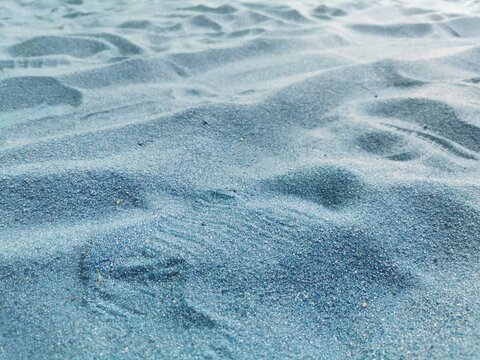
(247,180)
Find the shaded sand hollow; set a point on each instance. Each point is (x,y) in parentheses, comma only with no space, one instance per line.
(239,180)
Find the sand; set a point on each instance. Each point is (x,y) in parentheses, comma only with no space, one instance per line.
(244,180)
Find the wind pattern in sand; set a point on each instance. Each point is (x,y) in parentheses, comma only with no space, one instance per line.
(239,179)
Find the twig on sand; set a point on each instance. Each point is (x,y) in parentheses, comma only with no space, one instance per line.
(99,278)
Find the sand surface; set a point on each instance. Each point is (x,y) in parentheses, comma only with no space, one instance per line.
(239,180)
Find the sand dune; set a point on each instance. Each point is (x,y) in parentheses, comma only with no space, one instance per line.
(245,180)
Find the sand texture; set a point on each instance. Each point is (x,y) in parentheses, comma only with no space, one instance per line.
(239,179)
